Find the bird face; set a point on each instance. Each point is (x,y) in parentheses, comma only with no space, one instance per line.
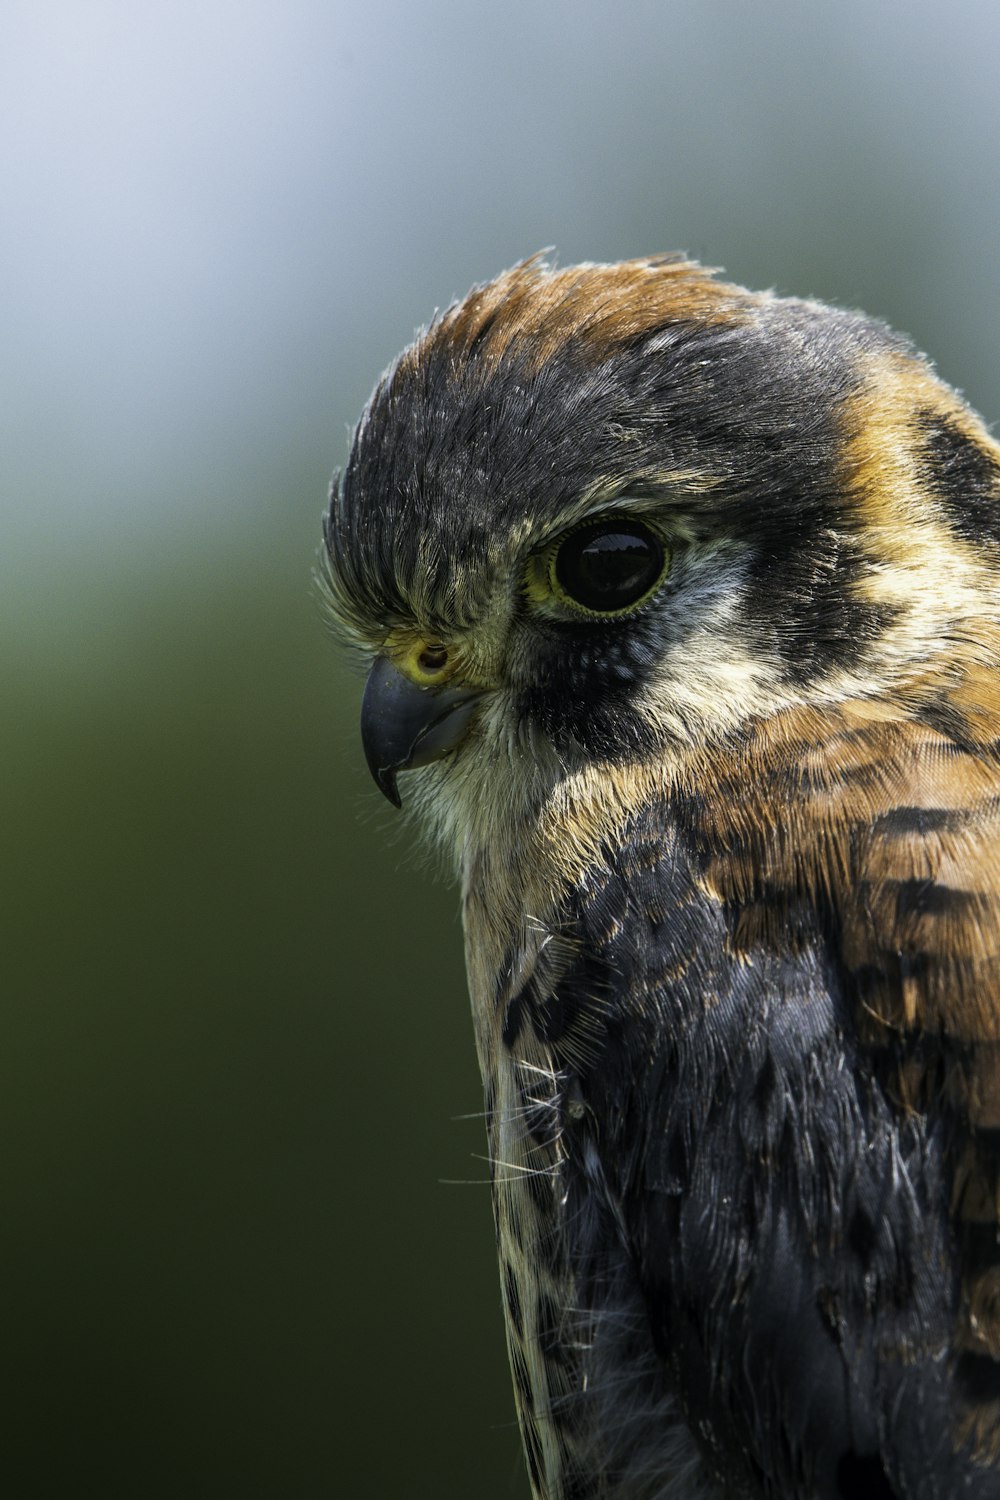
(614,514)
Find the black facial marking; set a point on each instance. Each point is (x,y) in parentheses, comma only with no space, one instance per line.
(811,612)
(963,476)
(591,673)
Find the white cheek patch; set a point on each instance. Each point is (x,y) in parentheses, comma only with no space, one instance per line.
(708,685)
(711,677)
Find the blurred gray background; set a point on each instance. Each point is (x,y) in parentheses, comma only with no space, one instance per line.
(246,1246)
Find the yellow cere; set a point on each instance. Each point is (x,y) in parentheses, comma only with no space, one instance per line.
(426,662)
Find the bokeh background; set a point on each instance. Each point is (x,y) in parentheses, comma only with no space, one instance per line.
(246,1245)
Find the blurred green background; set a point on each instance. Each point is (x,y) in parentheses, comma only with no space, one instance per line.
(246,1246)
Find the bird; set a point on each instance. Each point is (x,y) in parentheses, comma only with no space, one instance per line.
(680,607)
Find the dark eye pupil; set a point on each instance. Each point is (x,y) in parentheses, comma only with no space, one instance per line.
(609,565)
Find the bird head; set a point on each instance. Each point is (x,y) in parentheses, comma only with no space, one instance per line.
(611,515)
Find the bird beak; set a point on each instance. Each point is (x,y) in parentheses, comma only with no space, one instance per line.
(404,725)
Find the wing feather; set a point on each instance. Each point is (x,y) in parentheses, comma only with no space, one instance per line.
(889,830)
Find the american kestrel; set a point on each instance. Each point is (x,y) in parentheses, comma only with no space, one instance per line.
(682,604)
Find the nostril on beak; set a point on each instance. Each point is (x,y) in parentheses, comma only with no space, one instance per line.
(433,658)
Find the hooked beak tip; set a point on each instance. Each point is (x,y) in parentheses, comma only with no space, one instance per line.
(385,780)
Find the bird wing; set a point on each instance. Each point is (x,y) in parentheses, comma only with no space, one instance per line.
(888,829)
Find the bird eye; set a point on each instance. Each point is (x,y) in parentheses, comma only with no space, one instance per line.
(609,565)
